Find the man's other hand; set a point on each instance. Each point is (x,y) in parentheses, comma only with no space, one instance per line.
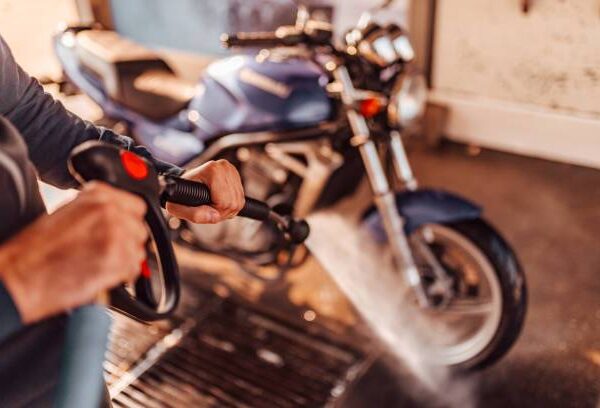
(66,259)
(226,190)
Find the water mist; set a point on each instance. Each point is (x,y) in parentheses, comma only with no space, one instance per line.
(364,271)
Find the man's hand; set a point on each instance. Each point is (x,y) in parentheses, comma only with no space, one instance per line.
(66,259)
(226,192)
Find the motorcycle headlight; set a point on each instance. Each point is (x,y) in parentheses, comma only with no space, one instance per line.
(401,42)
(408,100)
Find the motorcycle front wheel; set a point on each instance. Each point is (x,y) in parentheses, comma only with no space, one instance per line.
(481,318)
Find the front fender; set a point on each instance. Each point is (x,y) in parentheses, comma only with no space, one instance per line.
(421,207)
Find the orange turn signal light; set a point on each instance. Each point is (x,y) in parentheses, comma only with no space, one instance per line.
(370,107)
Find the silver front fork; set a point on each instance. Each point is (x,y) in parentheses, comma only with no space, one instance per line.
(385,200)
(384,196)
(401,164)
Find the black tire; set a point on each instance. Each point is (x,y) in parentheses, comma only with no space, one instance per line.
(513,289)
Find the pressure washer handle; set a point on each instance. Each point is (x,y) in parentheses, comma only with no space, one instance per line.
(191,193)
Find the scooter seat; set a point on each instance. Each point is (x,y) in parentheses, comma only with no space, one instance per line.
(132,75)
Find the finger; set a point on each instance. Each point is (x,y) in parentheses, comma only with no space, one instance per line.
(134,270)
(104,193)
(123,267)
(207,215)
(231,194)
(199,173)
(241,198)
(200,215)
(227,203)
(225,185)
(238,187)
(128,202)
(134,229)
(231,197)
(220,192)
(131,258)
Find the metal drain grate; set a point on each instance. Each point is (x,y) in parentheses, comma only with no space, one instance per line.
(129,342)
(235,356)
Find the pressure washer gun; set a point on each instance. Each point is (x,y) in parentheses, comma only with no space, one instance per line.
(87,332)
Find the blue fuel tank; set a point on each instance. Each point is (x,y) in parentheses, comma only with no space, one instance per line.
(247,93)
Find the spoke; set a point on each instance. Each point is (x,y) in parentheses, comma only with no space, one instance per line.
(468,307)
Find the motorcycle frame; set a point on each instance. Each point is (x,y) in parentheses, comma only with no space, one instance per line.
(279,146)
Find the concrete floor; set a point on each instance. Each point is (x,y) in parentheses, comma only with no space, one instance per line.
(551,214)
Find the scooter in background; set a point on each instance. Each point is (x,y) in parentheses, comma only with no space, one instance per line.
(304,119)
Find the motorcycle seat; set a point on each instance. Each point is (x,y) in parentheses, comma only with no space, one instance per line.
(132,75)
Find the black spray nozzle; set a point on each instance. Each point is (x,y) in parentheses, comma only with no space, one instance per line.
(298,231)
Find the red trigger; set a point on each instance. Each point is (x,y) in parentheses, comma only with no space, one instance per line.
(134,165)
(146,273)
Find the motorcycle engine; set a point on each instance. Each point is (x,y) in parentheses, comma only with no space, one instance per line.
(290,176)
(263,179)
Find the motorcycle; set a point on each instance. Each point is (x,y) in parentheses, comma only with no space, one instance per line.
(305,117)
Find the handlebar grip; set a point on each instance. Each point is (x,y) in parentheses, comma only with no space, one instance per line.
(194,194)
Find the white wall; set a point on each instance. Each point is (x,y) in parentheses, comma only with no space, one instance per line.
(528,83)
(348,12)
(549,57)
(28,25)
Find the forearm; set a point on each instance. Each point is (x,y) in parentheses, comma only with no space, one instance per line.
(51,132)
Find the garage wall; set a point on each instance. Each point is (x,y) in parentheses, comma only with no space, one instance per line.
(28,25)
(348,12)
(523,82)
(194,25)
(549,57)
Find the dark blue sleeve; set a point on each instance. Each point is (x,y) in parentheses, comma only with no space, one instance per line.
(49,130)
(10,319)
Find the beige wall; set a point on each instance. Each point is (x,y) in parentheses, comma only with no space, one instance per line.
(28,25)
(348,12)
(527,83)
(549,57)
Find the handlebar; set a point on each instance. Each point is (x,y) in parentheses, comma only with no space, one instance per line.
(313,33)
(258,39)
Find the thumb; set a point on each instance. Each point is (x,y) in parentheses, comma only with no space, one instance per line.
(205,215)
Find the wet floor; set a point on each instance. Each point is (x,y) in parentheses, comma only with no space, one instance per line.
(551,214)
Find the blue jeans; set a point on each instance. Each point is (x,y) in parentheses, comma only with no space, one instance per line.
(30,364)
